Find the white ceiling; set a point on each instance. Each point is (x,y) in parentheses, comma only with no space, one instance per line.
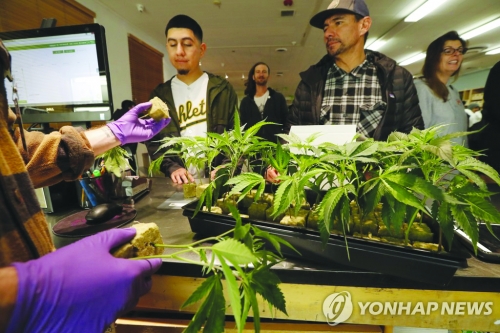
(239,33)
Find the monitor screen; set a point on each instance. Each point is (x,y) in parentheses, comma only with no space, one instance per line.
(61,74)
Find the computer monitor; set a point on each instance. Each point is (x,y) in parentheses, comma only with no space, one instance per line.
(61,74)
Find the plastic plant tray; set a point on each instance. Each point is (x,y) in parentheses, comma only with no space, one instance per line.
(369,255)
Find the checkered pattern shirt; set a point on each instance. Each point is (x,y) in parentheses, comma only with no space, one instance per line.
(353,98)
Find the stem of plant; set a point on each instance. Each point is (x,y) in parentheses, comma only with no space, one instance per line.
(446,174)
(197,242)
(176,254)
(440,247)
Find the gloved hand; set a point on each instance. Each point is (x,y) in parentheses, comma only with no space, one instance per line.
(131,129)
(80,287)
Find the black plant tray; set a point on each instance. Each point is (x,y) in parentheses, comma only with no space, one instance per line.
(410,263)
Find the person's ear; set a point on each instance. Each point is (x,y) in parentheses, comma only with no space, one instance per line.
(203,48)
(366,23)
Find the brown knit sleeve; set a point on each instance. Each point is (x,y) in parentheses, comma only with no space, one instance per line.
(62,155)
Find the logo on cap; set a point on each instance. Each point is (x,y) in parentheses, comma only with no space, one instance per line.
(334,4)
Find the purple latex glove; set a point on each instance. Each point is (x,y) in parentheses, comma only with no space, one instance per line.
(80,287)
(131,129)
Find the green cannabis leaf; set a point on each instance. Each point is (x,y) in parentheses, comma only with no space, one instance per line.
(191,150)
(245,182)
(116,160)
(212,309)
(233,251)
(245,266)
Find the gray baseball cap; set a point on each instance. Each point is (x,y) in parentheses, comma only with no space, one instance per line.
(354,6)
(473,105)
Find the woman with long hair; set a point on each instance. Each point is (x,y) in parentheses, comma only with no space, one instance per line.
(439,101)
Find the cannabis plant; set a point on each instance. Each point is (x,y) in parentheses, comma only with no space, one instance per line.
(443,176)
(240,146)
(116,160)
(238,257)
(234,150)
(412,175)
(193,151)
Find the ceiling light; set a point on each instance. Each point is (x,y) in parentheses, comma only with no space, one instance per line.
(494,51)
(376,45)
(481,30)
(242,76)
(413,59)
(475,50)
(424,10)
(227,77)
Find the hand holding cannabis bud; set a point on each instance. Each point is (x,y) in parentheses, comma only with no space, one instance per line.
(130,128)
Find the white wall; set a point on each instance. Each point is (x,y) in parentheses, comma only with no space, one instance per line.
(117,44)
(471,81)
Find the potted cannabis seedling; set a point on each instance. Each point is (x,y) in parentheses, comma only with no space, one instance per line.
(242,152)
(195,154)
(444,180)
(398,182)
(116,160)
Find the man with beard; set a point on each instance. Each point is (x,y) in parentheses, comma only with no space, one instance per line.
(199,102)
(351,85)
(262,102)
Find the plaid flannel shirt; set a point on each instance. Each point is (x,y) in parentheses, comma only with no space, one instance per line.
(353,98)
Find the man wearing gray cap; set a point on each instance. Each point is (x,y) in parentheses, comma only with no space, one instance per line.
(351,85)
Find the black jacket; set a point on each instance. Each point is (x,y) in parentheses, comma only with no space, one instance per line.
(275,110)
(402,113)
(488,138)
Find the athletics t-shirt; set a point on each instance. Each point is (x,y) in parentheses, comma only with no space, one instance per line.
(191,105)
